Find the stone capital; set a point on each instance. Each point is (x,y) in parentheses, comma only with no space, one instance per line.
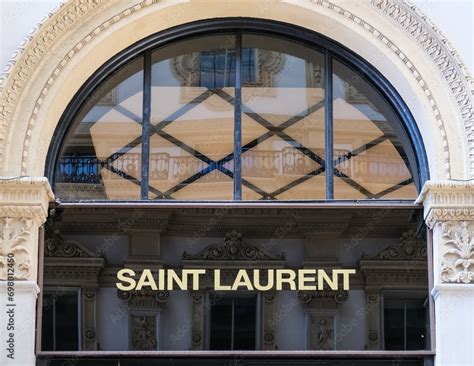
(25,197)
(23,209)
(449,212)
(447,201)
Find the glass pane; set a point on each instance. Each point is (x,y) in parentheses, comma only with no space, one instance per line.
(101,158)
(244,323)
(394,324)
(61,322)
(369,145)
(192,141)
(221,325)
(282,120)
(416,325)
(405,325)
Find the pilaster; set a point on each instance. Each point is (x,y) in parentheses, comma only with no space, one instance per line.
(23,209)
(449,213)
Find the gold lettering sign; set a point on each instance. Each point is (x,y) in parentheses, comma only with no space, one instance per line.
(256,279)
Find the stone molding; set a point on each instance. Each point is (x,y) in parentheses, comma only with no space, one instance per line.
(447,201)
(25,197)
(447,59)
(53,29)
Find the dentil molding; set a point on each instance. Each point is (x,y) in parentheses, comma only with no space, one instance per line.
(53,29)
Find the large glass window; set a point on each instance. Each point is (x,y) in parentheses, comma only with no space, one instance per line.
(232,116)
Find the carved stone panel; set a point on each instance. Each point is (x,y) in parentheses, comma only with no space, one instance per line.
(17,248)
(321,329)
(458,253)
(143,333)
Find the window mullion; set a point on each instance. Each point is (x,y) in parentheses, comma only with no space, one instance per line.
(232,326)
(328,123)
(238,118)
(146,125)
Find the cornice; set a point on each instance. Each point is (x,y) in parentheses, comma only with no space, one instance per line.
(447,201)
(26,197)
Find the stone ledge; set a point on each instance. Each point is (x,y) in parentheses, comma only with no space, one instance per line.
(460,289)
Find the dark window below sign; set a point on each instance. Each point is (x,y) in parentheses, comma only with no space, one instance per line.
(233,324)
(60,322)
(405,324)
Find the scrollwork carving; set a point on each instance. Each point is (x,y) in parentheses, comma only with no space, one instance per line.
(410,247)
(233,248)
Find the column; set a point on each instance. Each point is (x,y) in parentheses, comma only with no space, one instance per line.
(449,213)
(23,209)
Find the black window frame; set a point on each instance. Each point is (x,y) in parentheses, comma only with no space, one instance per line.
(332,51)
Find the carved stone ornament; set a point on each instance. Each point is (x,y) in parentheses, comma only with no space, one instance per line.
(15,247)
(144,299)
(143,333)
(458,255)
(410,247)
(233,248)
(58,247)
(447,201)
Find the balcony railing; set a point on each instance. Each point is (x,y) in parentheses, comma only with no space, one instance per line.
(255,164)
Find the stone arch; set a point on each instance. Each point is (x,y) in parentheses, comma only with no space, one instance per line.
(80,35)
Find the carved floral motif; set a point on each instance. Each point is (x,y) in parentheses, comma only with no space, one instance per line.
(15,245)
(458,258)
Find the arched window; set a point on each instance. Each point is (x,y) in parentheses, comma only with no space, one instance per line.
(240,114)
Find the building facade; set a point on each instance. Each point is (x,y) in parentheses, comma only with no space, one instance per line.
(178,135)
